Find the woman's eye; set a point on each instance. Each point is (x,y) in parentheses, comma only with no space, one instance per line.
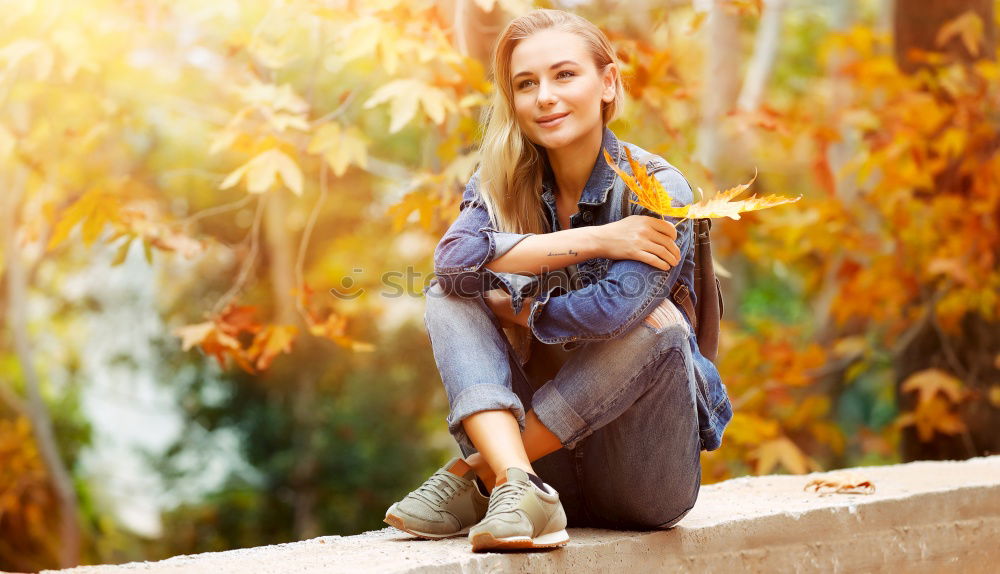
(524,83)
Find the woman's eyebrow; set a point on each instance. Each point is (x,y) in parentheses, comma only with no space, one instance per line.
(552,67)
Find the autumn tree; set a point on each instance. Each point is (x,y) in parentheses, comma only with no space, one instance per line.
(948,362)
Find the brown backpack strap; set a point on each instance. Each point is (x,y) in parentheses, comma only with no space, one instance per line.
(682,297)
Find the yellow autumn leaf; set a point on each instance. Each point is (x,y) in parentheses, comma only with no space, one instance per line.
(782,451)
(340,147)
(334,328)
(360,38)
(655,198)
(696,21)
(933,415)
(406,96)
(264,95)
(192,335)
(371,37)
(751,429)
(422,201)
(94,210)
(262,171)
(969,29)
(647,188)
(930,382)
(270,342)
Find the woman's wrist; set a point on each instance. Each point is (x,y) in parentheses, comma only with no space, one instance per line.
(590,238)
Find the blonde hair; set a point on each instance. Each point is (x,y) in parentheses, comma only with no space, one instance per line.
(511,166)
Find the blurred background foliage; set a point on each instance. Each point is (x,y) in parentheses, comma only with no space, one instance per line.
(183,182)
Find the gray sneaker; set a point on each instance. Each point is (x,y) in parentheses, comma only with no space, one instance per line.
(521,515)
(446,504)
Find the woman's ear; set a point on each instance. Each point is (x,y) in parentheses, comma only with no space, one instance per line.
(608,80)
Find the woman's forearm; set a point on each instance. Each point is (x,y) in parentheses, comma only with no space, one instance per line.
(548,251)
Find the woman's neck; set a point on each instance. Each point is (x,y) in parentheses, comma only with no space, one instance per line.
(572,164)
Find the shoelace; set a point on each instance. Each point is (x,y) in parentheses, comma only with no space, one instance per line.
(430,490)
(507,496)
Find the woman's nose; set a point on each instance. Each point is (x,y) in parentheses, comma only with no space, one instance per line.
(545,94)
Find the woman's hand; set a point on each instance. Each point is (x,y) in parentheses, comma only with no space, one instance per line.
(641,238)
(498,301)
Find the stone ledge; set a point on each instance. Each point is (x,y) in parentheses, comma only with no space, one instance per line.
(923,517)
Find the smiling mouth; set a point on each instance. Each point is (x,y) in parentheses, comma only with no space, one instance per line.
(552,121)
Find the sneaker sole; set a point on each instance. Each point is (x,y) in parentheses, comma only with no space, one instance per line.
(397,522)
(486,541)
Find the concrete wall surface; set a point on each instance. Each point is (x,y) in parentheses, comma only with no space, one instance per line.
(922,517)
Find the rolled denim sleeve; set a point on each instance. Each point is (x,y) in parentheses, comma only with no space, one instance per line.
(472,242)
(624,296)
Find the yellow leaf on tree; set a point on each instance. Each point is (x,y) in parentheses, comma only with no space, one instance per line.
(655,198)
(934,415)
(782,451)
(192,335)
(751,429)
(968,27)
(696,21)
(94,210)
(404,97)
(262,171)
(340,147)
(930,382)
(334,328)
(269,342)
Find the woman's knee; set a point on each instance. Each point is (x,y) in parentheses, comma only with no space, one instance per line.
(438,303)
(438,300)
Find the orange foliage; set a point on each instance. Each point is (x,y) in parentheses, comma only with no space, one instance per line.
(655,198)
(27,502)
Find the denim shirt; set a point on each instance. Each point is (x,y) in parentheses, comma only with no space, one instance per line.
(603,298)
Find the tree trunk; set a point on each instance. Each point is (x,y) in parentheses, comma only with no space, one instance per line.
(970,356)
(720,89)
(41,424)
(765,51)
(720,83)
(281,266)
(474,31)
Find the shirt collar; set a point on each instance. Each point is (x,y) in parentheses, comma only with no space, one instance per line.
(595,192)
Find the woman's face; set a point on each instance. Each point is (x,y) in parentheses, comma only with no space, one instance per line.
(557,89)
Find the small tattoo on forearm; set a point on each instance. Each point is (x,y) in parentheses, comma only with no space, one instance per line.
(570,252)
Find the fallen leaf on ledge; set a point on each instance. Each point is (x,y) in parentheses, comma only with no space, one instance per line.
(841,482)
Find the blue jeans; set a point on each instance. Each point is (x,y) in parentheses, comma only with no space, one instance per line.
(624,410)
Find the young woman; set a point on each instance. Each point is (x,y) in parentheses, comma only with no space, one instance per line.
(577,392)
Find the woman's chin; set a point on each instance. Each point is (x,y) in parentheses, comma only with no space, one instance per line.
(553,140)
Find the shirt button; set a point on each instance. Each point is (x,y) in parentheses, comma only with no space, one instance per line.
(588,216)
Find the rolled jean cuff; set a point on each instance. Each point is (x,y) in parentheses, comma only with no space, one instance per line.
(558,416)
(478,398)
